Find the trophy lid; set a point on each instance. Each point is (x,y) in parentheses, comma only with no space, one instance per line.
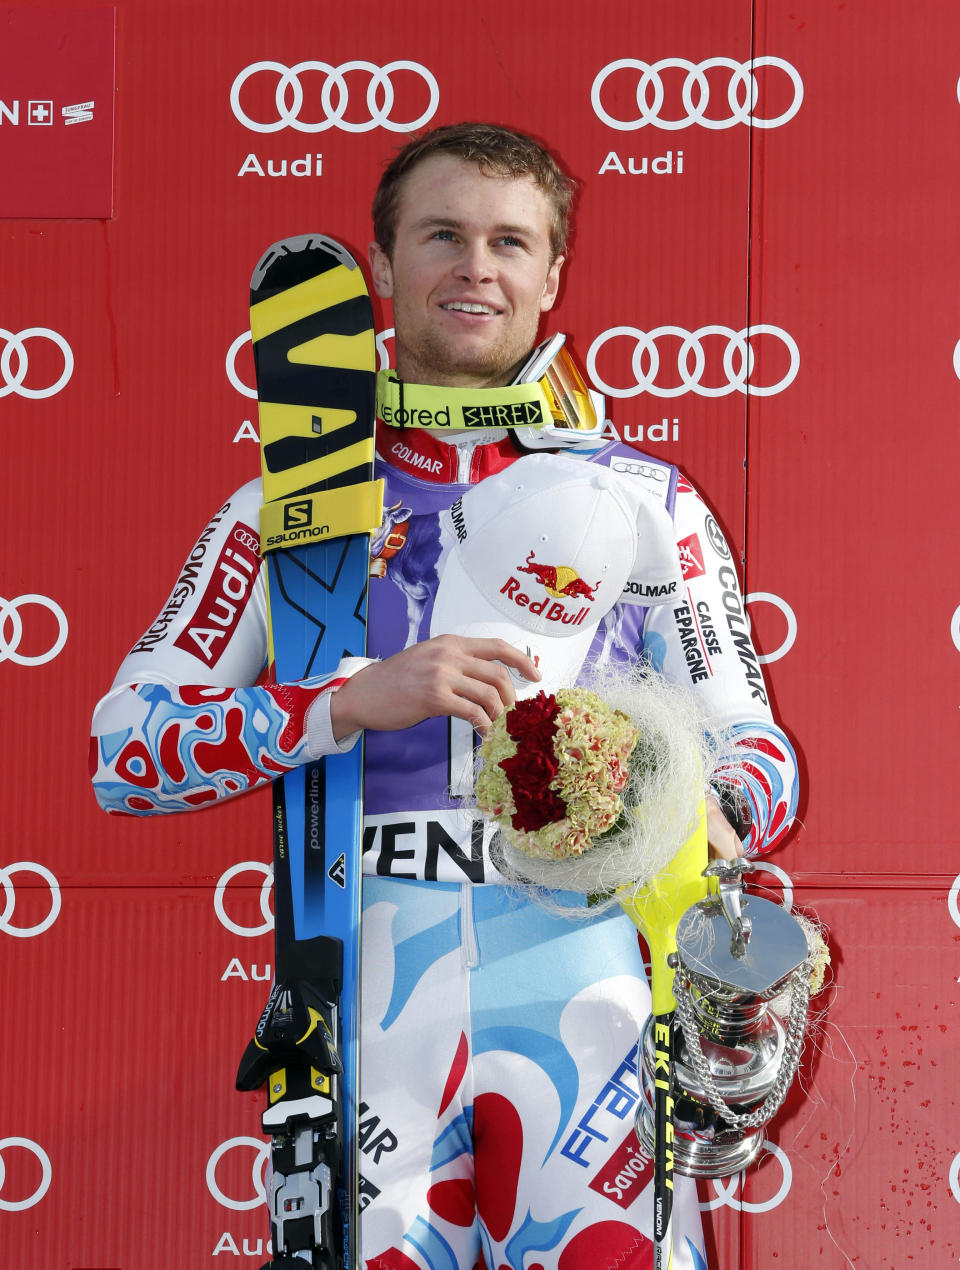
(713,954)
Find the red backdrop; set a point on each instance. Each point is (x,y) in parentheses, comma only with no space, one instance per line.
(787,168)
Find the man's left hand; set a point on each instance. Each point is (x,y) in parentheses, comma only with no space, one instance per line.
(724,843)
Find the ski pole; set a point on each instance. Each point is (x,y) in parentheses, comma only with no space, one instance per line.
(656,909)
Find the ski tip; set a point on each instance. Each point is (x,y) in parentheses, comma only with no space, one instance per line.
(287,256)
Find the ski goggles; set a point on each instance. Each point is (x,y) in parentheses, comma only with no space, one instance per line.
(573,406)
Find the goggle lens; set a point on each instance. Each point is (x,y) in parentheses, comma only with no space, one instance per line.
(567,395)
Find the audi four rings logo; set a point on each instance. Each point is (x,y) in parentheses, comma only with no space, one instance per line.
(738,348)
(12,377)
(11,630)
(245,866)
(742,93)
(335,96)
(726,1188)
(10,899)
(261,1155)
(46,1174)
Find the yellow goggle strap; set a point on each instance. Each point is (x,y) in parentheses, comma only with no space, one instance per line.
(403,405)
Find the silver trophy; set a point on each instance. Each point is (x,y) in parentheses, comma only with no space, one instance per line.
(742,987)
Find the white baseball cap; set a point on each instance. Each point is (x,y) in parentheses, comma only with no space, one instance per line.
(540,552)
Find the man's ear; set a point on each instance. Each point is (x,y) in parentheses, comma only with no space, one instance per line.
(380,271)
(552,285)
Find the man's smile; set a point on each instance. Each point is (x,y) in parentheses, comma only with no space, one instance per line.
(464,306)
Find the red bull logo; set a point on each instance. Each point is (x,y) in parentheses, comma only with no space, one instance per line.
(561,583)
(559,580)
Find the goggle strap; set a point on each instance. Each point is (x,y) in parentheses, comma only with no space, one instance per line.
(403,405)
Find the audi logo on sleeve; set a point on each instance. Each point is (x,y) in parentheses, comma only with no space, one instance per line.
(225,598)
(15,362)
(737,371)
(307,104)
(734,90)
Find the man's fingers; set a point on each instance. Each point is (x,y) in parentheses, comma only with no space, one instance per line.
(723,841)
(498,650)
(496,676)
(478,719)
(468,678)
(486,699)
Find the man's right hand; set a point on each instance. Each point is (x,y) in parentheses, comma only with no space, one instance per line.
(451,675)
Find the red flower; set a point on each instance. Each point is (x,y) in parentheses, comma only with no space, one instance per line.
(530,773)
(534,721)
(532,725)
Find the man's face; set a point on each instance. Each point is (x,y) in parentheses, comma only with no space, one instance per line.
(469,274)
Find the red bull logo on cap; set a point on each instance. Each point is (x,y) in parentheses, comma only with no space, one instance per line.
(559,580)
(561,583)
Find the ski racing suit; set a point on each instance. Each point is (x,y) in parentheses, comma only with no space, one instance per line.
(498,1041)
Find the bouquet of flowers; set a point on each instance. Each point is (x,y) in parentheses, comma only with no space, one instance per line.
(554,770)
(596,789)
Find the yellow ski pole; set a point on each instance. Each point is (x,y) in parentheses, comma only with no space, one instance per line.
(655,910)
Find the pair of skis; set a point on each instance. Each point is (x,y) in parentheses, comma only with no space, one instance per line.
(315,355)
